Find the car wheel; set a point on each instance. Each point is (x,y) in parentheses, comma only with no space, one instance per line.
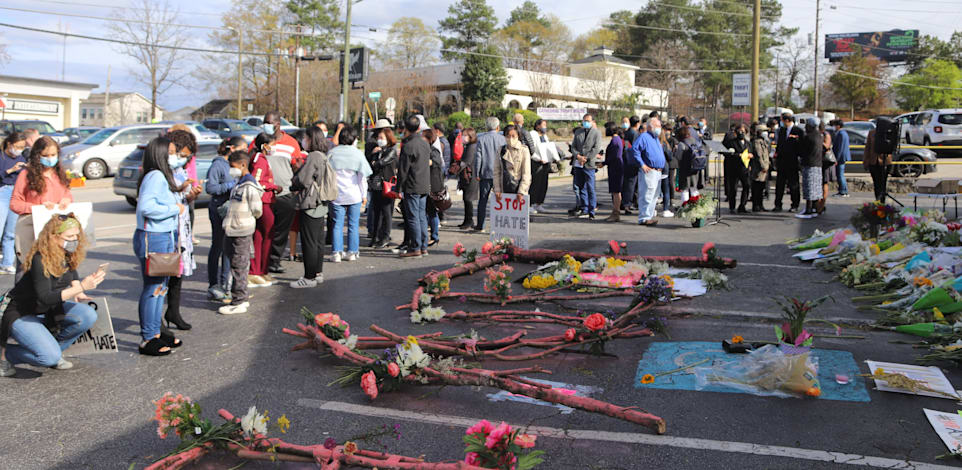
(911,171)
(131,200)
(95,169)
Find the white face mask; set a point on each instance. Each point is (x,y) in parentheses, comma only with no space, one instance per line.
(235,172)
(382,143)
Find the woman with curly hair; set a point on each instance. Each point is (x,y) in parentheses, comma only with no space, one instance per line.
(43,183)
(48,309)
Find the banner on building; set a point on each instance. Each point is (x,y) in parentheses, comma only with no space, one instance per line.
(562,114)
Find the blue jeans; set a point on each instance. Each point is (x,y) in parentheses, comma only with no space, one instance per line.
(416,224)
(151,304)
(434,221)
(839,173)
(485,192)
(36,346)
(585,182)
(218,263)
(9,220)
(649,184)
(353,214)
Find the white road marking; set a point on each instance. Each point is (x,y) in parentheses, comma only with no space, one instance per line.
(767,265)
(632,438)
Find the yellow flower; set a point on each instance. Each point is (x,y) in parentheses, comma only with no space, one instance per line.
(411,341)
(669,280)
(350,447)
(874,249)
(737,339)
(283,424)
(937,315)
(879,371)
(647,379)
(526,283)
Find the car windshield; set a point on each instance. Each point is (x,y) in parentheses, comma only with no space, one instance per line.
(207,150)
(201,128)
(951,119)
(41,126)
(100,136)
(240,126)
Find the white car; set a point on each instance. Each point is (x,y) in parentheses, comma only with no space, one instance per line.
(99,155)
(258,121)
(937,127)
(905,123)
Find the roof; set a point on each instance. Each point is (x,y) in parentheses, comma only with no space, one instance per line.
(48,82)
(216,106)
(98,98)
(604,55)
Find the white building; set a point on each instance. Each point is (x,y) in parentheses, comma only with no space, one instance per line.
(125,108)
(596,81)
(53,101)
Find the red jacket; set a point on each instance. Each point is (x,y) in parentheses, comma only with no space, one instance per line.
(261,170)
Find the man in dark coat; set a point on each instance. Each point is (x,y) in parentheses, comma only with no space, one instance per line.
(787,152)
(414,181)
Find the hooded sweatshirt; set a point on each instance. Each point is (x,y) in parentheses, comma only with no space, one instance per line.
(246,206)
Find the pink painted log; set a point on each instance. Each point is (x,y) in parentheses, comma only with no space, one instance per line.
(177,461)
(480,262)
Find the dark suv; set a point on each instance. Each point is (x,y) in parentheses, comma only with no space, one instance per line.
(128,172)
(8,126)
(227,128)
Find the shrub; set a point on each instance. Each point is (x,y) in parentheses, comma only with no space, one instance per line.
(457,117)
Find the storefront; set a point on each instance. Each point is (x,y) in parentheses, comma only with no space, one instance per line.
(53,101)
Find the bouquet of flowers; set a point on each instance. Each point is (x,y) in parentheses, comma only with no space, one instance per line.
(656,289)
(500,447)
(795,313)
(875,215)
(425,312)
(330,323)
(498,282)
(929,232)
(697,207)
(564,271)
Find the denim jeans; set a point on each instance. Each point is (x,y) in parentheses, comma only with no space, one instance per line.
(36,346)
(151,304)
(485,193)
(353,214)
(8,219)
(218,262)
(839,173)
(434,220)
(585,182)
(416,223)
(649,184)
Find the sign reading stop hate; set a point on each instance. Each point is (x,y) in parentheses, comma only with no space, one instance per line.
(509,218)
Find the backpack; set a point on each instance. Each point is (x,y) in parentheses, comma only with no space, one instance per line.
(699,159)
(457,150)
(327,187)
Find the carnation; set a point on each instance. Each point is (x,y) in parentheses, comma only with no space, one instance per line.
(497,435)
(369,384)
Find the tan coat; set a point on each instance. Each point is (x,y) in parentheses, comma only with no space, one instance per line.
(518,159)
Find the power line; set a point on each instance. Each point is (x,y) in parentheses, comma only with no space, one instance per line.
(710,10)
(893,82)
(688,31)
(100,5)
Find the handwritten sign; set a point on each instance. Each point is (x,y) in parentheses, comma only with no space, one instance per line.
(100,337)
(82,210)
(509,218)
(948,426)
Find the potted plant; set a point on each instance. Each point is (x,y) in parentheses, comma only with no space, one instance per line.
(792,336)
(697,209)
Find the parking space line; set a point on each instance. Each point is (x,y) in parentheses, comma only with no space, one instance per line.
(768,265)
(633,438)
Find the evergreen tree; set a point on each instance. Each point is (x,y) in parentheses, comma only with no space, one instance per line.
(321,18)
(483,80)
(468,26)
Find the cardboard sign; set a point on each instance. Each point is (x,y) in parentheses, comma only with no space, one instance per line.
(100,337)
(509,218)
(931,375)
(82,210)
(948,426)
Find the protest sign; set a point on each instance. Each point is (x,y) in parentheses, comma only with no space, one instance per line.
(82,210)
(948,426)
(100,337)
(509,218)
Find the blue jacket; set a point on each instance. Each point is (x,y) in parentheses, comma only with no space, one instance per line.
(219,182)
(156,204)
(489,151)
(648,151)
(840,146)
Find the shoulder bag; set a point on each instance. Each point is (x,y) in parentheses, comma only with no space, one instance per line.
(162,264)
(509,184)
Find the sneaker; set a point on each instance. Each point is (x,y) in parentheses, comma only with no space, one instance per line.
(411,254)
(667,214)
(63,364)
(303,283)
(534,210)
(7,369)
(215,294)
(8,270)
(253,280)
(352,257)
(269,278)
(336,258)
(591,217)
(424,252)
(399,250)
(232,309)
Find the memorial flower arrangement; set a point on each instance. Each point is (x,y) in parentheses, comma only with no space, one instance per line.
(425,312)
(795,314)
(656,289)
(498,282)
(562,272)
(330,323)
(615,248)
(712,278)
(929,232)
(440,286)
(697,207)
(468,255)
(500,447)
(873,216)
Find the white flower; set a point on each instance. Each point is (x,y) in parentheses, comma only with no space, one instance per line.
(415,316)
(424,300)
(350,342)
(432,313)
(260,425)
(247,422)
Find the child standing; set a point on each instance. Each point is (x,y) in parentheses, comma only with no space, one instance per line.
(243,209)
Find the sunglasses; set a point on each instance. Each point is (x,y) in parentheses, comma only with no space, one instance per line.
(63,217)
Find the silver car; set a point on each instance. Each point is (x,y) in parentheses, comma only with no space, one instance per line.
(99,155)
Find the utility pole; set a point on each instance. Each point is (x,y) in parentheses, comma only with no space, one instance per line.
(777,63)
(240,66)
(818,10)
(297,77)
(756,44)
(347,62)
(106,122)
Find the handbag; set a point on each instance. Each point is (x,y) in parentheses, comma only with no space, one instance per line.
(389,189)
(442,200)
(162,264)
(509,184)
(828,158)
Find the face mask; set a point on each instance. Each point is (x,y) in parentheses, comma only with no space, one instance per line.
(513,141)
(543,130)
(656,131)
(174,161)
(234,172)
(70,246)
(586,124)
(325,134)
(701,125)
(269,129)
(49,162)
(382,143)
(624,125)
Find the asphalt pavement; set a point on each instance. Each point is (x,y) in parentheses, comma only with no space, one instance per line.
(98,415)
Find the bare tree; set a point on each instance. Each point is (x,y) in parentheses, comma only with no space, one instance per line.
(794,62)
(410,43)
(4,55)
(662,58)
(149,25)
(605,85)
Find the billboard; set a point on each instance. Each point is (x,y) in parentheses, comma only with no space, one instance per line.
(890,46)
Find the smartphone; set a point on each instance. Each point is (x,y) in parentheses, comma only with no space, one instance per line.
(104,267)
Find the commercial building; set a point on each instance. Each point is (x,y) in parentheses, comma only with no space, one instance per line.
(53,101)
(124,108)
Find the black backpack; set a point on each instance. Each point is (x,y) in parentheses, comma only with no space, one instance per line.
(699,159)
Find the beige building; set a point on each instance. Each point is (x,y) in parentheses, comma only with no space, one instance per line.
(124,108)
(52,101)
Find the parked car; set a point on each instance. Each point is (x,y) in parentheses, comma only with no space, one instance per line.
(227,128)
(258,121)
(937,127)
(861,126)
(905,122)
(927,156)
(200,132)
(9,125)
(77,134)
(100,154)
(130,168)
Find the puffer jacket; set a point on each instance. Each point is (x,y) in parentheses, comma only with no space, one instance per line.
(245,207)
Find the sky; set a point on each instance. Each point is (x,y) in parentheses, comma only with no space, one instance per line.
(40,55)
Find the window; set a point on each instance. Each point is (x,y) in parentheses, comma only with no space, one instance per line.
(100,137)
(83,113)
(207,150)
(138,136)
(950,119)
(513,104)
(856,139)
(924,119)
(100,114)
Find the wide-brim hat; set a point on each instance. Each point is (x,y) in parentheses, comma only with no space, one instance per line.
(761,127)
(383,124)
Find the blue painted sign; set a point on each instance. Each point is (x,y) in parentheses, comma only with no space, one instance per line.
(575,390)
(667,356)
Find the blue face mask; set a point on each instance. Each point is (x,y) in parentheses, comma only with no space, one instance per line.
(625,125)
(656,131)
(269,129)
(49,162)
(174,161)
(586,124)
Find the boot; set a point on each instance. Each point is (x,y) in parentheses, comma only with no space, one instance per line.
(614,217)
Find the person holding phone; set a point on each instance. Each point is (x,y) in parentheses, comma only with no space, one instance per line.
(12,163)
(48,307)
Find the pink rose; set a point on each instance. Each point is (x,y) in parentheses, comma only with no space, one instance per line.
(595,322)
(458,249)
(497,435)
(393,369)
(487,247)
(472,458)
(614,246)
(484,426)
(570,334)
(369,384)
(706,248)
